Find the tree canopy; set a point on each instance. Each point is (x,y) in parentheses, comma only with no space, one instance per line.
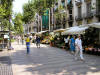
(5,13)
(18,23)
(28,12)
(35,6)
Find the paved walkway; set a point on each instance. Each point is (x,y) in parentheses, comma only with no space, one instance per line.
(51,61)
(5,63)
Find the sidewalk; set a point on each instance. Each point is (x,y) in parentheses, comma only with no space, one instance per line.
(51,61)
(5,63)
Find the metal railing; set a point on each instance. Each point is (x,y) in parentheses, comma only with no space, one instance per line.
(88,15)
(70,19)
(78,2)
(78,18)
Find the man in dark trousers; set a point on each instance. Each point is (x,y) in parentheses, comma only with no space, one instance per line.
(38,41)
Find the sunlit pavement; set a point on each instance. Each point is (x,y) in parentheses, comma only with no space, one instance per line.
(51,61)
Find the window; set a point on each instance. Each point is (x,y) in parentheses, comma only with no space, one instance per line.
(88,8)
(98,5)
(79,11)
(70,24)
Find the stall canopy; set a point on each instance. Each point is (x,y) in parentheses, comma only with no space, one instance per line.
(39,33)
(96,25)
(59,30)
(6,36)
(75,30)
(51,33)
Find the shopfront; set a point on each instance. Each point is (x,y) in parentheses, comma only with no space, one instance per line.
(4,39)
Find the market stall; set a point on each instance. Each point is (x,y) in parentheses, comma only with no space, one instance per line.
(4,39)
(44,35)
(92,37)
(96,25)
(58,39)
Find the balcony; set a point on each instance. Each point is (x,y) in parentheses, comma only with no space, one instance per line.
(69,6)
(78,18)
(70,19)
(87,1)
(78,3)
(64,20)
(63,3)
(56,7)
(97,13)
(88,15)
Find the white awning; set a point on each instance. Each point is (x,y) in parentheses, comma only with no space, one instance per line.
(39,33)
(6,36)
(59,30)
(96,25)
(51,33)
(75,30)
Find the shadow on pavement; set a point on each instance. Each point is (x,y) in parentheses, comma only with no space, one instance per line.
(53,61)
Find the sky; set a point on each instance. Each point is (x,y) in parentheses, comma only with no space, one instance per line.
(17,5)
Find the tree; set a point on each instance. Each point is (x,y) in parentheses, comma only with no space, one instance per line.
(5,12)
(18,23)
(35,6)
(28,12)
(2,12)
(41,5)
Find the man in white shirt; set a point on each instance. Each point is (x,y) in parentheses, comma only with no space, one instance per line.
(78,45)
(67,42)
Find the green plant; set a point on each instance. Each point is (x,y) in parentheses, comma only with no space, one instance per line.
(1,38)
(12,40)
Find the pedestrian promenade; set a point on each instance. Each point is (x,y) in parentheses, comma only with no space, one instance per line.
(5,63)
(51,61)
(46,61)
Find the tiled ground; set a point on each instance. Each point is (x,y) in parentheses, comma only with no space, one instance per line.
(51,61)
(5,64)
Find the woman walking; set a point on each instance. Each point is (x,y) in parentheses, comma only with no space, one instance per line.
(72,44)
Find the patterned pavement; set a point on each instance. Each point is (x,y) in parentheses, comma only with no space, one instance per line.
(5,64)
(51,61)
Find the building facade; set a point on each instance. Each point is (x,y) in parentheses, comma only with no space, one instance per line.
(68,13)
(86,11)
(77,12)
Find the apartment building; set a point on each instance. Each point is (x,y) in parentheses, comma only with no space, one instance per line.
(73,13)
(78,12)
(86,11)
(59,15)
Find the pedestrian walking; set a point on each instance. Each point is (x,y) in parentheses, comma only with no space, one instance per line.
(34,39)
(66,39)
(18,39)
(22,40)
(28,44)
(72,44)
(38,41)
(78,46)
